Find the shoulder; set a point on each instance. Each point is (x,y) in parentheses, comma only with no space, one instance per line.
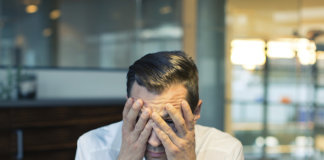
(211,142)
(100,139)
(210,133)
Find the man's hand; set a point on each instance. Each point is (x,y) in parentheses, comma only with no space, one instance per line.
(134,134)
(179,145)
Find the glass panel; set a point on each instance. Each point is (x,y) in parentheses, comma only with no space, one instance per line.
(84,33)
(247,85)
(291,122)
(247,110)
(160,26)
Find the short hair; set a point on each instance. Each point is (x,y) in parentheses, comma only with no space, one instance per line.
(157,71)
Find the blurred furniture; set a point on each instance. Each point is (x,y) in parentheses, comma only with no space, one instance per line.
(49,129)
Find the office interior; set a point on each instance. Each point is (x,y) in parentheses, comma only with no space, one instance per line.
(63,66)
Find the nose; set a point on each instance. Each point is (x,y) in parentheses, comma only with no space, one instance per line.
(154,140)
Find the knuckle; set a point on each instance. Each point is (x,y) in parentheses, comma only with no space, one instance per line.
(181,146)
(141,138)
(126,118)
(138,127)
(168,130)
(136,146)
(125,130)
(182,124)
(164,136)
(134,107)
(144,116)
(175,151)
(128,140)
(139,145)
(146,130)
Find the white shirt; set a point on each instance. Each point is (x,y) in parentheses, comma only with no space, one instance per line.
(104,144)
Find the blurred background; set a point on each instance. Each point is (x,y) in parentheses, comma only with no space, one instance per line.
(63,66)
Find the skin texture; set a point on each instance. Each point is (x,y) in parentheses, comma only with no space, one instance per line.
(165,125)
(134,134)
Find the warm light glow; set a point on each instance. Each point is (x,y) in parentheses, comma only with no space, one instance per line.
(248,53)
(286,48)
(251,53)
(306,51)
(31,9)
(281,49)
(55,14)
(165,10)
(47,32)
(320,55)
(249,67)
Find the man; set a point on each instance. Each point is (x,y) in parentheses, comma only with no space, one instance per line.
(159,117)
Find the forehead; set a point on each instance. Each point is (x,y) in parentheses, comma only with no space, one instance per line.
(157,102)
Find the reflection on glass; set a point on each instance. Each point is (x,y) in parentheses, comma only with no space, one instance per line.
(96,34)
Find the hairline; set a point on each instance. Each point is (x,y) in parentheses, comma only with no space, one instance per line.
(164,89)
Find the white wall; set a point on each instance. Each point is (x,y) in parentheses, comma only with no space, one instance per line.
(58,83)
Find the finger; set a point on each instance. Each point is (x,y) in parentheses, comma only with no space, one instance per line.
(187,115)
(178,120)
(141,123)
(145,134)
(127,106)
(164,138)
(131,116)
(164,127)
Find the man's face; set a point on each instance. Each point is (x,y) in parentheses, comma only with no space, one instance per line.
(172,95)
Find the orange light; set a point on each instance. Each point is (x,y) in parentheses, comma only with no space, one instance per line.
(47,32)
(31,9)
(285,100)
(55,14)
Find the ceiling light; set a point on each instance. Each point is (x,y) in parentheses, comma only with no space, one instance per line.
(280,49)
(55,14)
(31,9)
(248,53)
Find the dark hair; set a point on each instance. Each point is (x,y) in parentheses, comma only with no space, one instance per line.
(157,71)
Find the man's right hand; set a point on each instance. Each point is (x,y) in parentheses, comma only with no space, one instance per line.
(135,134)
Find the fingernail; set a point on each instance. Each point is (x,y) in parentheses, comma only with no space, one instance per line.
(129,100)
(145,112)
(138,102)
(154,114)
(150,123)
(136,105)
(183,102)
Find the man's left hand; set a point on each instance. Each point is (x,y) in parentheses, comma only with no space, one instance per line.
(179,145)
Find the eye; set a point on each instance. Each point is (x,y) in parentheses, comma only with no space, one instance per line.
(169,121)
(171,124)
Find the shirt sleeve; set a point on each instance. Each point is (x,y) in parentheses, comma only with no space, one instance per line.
(88,148)
(80,153)
(237,153)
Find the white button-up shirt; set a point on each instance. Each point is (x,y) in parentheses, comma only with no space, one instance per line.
(104,144)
